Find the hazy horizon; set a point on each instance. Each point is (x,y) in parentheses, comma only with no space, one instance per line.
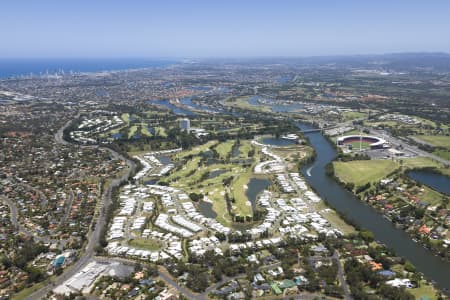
(250,57)
(210,29)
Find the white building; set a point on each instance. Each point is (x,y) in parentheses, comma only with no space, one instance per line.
(185,124)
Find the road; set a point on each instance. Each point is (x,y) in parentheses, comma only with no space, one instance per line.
(68,207)
(398,142)
(93,235)
(340,273)
(13,212)
(341,277)
(22,229)
(162,273)
(59,134)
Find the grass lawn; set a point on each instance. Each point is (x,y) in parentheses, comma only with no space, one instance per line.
(224,148)
(145,244)
(295,151)
(132,131)
(212,188)
(357,145)
(190,166)
(445,154)
(26,292)
(244,148)
(125,117)
(383,123)
(160,131)
(362,171)
(398,268)
(424,291)
(238,189)
(351,115)
(115,130)
(196,150)
(431,196)
(351,132)
(214,194)
(242,102)
(421,162)
(144,130)
(337,221)
(442,141)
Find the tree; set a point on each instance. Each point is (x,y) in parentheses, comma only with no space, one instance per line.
(195,197)
(198,283)
(409,267)
(366,235)
(34,274)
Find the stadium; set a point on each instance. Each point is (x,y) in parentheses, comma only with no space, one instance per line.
(367,141)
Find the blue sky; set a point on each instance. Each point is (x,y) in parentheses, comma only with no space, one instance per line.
(216,28)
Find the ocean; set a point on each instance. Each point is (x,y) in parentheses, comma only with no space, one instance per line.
(25,67)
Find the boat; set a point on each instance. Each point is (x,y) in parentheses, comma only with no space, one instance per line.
(291,136)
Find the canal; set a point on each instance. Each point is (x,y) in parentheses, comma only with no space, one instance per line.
(433,267)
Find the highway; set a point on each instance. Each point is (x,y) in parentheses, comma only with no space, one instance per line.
(93,235)
(398,142)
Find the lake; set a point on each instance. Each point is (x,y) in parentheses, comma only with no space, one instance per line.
(256,186)
(436,181)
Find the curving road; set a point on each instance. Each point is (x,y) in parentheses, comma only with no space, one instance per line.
(93,235)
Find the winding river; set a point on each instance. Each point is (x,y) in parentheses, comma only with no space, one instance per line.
(433,267)
(340,199)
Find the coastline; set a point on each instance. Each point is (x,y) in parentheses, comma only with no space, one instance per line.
(19,68)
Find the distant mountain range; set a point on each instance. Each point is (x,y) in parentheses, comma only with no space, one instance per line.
(438,62)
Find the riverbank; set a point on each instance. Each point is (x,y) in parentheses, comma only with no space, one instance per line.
(365,216)
(383,184)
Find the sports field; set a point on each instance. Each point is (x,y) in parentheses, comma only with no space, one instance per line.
(362,171)
(358,145)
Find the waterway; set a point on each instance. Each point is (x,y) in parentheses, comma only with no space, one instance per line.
(206,209)
(436,181)
(256,186)
(215,173)
(188,102)
(275,105)
(277,142)
(175,109)
(164,159)
(235,152)
(433,267)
